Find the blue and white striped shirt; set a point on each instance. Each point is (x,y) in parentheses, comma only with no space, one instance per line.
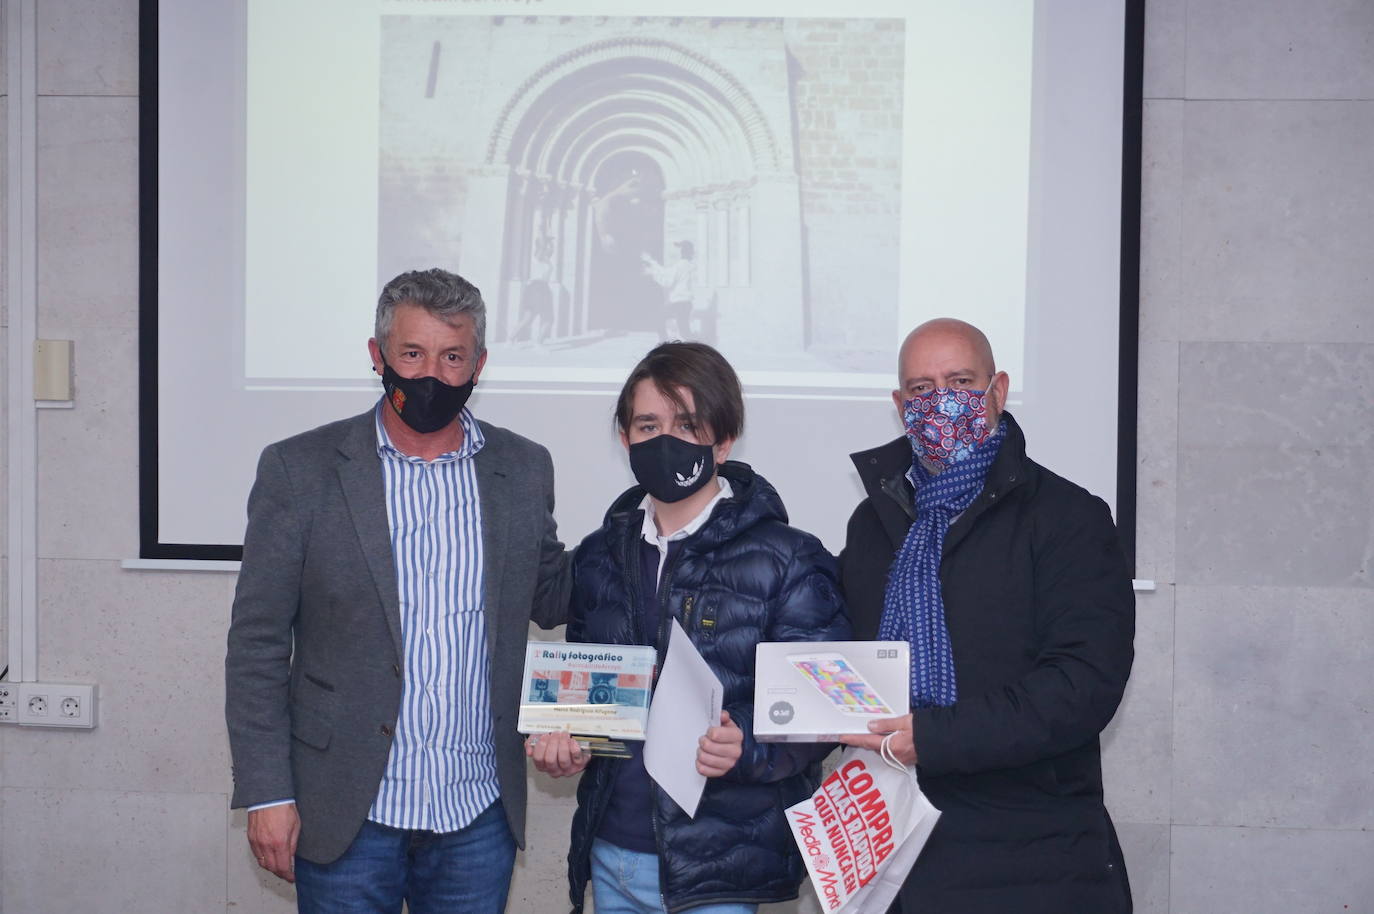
(442,770)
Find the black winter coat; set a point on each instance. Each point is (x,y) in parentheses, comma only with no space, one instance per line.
(744,577)
(1041,618)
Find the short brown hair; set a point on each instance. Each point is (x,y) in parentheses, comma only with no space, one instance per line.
(696,367)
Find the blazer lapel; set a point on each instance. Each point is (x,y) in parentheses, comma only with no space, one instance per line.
(494,490)
(360,476)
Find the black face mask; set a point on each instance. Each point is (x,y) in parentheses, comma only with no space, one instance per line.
(671,469)
(425,404)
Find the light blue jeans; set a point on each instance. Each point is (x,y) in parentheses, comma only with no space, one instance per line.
(626,882)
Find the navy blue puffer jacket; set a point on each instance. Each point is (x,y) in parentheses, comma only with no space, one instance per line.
(744,577)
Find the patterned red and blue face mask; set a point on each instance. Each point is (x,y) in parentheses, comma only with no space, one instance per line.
(946,424)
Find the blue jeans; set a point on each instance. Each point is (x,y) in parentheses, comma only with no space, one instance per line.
(626,882)
(461,872)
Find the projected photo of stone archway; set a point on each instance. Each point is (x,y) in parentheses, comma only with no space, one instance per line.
(611,182)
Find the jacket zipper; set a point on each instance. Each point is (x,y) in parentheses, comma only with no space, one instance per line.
(689,604)
(663,616)
(900,495)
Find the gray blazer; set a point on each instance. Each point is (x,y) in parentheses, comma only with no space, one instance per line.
(313,670)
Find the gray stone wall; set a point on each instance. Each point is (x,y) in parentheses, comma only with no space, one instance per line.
(847,85)
(1238,768)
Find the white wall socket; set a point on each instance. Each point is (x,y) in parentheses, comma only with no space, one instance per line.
(9,703)
(50,704)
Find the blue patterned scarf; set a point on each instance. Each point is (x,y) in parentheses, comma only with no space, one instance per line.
(913,608)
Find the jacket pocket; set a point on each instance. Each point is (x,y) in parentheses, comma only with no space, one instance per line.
(705,612)
(310,729)
(319,682)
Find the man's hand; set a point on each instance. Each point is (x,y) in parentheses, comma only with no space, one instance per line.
(720,748)
(556,754)
(903,745)
(272,834)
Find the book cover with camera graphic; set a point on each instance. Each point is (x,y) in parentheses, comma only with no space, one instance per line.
(588,690)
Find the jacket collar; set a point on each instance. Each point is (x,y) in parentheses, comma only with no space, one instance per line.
(753,501)
(883,472)
(360,476)
(497,487)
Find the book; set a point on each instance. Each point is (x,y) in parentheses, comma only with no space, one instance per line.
(598,693)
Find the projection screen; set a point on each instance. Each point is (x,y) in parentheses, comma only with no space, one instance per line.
(835,180)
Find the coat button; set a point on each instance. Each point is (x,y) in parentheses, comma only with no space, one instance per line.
(873,460)
(386,730)
(396,668)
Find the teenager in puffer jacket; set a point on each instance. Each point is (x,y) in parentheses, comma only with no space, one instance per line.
(704,541)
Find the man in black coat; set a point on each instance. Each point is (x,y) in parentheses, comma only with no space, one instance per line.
(1011,587)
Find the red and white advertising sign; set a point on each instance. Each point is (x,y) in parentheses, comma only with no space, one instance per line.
(861,831)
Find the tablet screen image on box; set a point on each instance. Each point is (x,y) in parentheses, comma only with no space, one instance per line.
(816,691)
(844,686)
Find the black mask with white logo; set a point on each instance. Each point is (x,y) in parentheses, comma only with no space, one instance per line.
(425,404)
(671,469)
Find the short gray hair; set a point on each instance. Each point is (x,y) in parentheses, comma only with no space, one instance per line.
(443,294)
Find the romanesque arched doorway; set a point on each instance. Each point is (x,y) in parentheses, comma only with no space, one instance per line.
(624,148)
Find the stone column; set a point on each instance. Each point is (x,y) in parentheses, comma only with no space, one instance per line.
(720,242)
(490,206)
(740,271)
(768,314)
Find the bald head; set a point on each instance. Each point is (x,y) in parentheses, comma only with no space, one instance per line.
(946,333)
(946,352)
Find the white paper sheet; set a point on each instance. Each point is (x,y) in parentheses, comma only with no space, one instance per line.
(686,702)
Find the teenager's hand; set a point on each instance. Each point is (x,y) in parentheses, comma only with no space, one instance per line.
(556,754)
(720,748)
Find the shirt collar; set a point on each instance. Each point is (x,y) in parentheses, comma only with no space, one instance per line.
(650,529)
(473,439)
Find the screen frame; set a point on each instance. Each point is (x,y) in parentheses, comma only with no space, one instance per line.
(151,547)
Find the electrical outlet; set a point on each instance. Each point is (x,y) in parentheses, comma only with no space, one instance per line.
(9,703)
(51,704)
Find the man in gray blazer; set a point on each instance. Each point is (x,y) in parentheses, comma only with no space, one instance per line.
(391,567)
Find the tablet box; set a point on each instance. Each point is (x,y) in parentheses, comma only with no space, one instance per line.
(813,691)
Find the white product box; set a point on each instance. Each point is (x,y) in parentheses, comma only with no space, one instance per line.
(813,691)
